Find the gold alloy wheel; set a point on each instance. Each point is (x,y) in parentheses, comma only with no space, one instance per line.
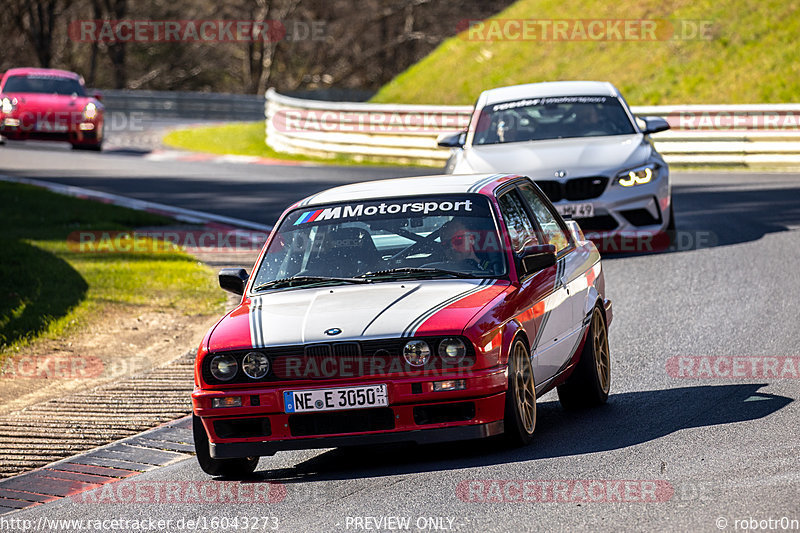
(602,357)
(524,388)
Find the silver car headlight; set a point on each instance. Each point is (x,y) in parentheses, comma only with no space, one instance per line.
(224,367)
(416,353)
(637,176)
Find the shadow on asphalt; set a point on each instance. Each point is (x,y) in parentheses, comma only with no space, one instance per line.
(627,420)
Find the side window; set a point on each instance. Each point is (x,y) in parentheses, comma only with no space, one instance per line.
(553,232)
(520,228)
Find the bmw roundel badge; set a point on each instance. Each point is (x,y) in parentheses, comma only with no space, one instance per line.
(333,331)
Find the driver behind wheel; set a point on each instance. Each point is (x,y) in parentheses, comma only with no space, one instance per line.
(459,245)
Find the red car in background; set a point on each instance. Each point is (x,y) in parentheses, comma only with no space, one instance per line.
(51,105)
(427,309)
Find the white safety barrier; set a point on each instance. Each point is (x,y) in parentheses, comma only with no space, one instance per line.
(759,135)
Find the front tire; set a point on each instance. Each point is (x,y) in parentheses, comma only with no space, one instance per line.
(520,412)
(226,468)
(590,382)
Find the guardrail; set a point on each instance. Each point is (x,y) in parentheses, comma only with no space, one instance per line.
(760,135)
(169,104)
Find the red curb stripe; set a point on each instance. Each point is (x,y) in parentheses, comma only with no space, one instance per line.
(96,470)
(75,476)
(15,504)
(46,485)
(25,496)
(111,463)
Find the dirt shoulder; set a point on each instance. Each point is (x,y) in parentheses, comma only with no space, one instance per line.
(122,341)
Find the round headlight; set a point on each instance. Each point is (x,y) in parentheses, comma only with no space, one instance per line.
(416,353)
(90,111)
(224,367)
(255,365)
(452,350)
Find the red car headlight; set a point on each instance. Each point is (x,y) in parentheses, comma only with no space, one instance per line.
(8,104)
(90,111)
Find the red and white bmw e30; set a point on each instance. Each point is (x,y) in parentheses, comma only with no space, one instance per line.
(419,310)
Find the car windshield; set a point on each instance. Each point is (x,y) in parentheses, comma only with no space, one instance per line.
(43,83)
(536,119)
(451,236)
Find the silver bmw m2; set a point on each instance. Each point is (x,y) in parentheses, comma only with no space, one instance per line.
(582,145)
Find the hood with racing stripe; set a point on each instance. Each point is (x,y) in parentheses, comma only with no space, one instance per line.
(368,311)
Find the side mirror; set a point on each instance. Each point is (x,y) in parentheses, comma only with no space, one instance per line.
(653,125)
(538,257)
(575,230)
(233,279)
(452,140)
(97,95)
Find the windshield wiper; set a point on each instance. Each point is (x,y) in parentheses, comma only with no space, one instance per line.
(304,280)
(416,270)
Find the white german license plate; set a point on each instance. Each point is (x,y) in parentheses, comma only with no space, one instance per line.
(44,125)
(576,210)
(303,401)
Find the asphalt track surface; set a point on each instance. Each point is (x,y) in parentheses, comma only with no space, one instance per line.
(721,449)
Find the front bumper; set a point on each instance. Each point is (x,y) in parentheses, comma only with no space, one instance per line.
(83,132)
(416,413)
(642,208)
(420,436)
(629,219)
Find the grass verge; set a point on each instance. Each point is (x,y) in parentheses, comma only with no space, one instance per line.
(749,55)
(47,287)
(247,138)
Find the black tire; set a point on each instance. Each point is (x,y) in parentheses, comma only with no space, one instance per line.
(590,382)
(226,468)
(520,411)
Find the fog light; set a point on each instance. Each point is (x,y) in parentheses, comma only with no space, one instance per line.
(228,401)
(450,384)
(86,126)
(11,122)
